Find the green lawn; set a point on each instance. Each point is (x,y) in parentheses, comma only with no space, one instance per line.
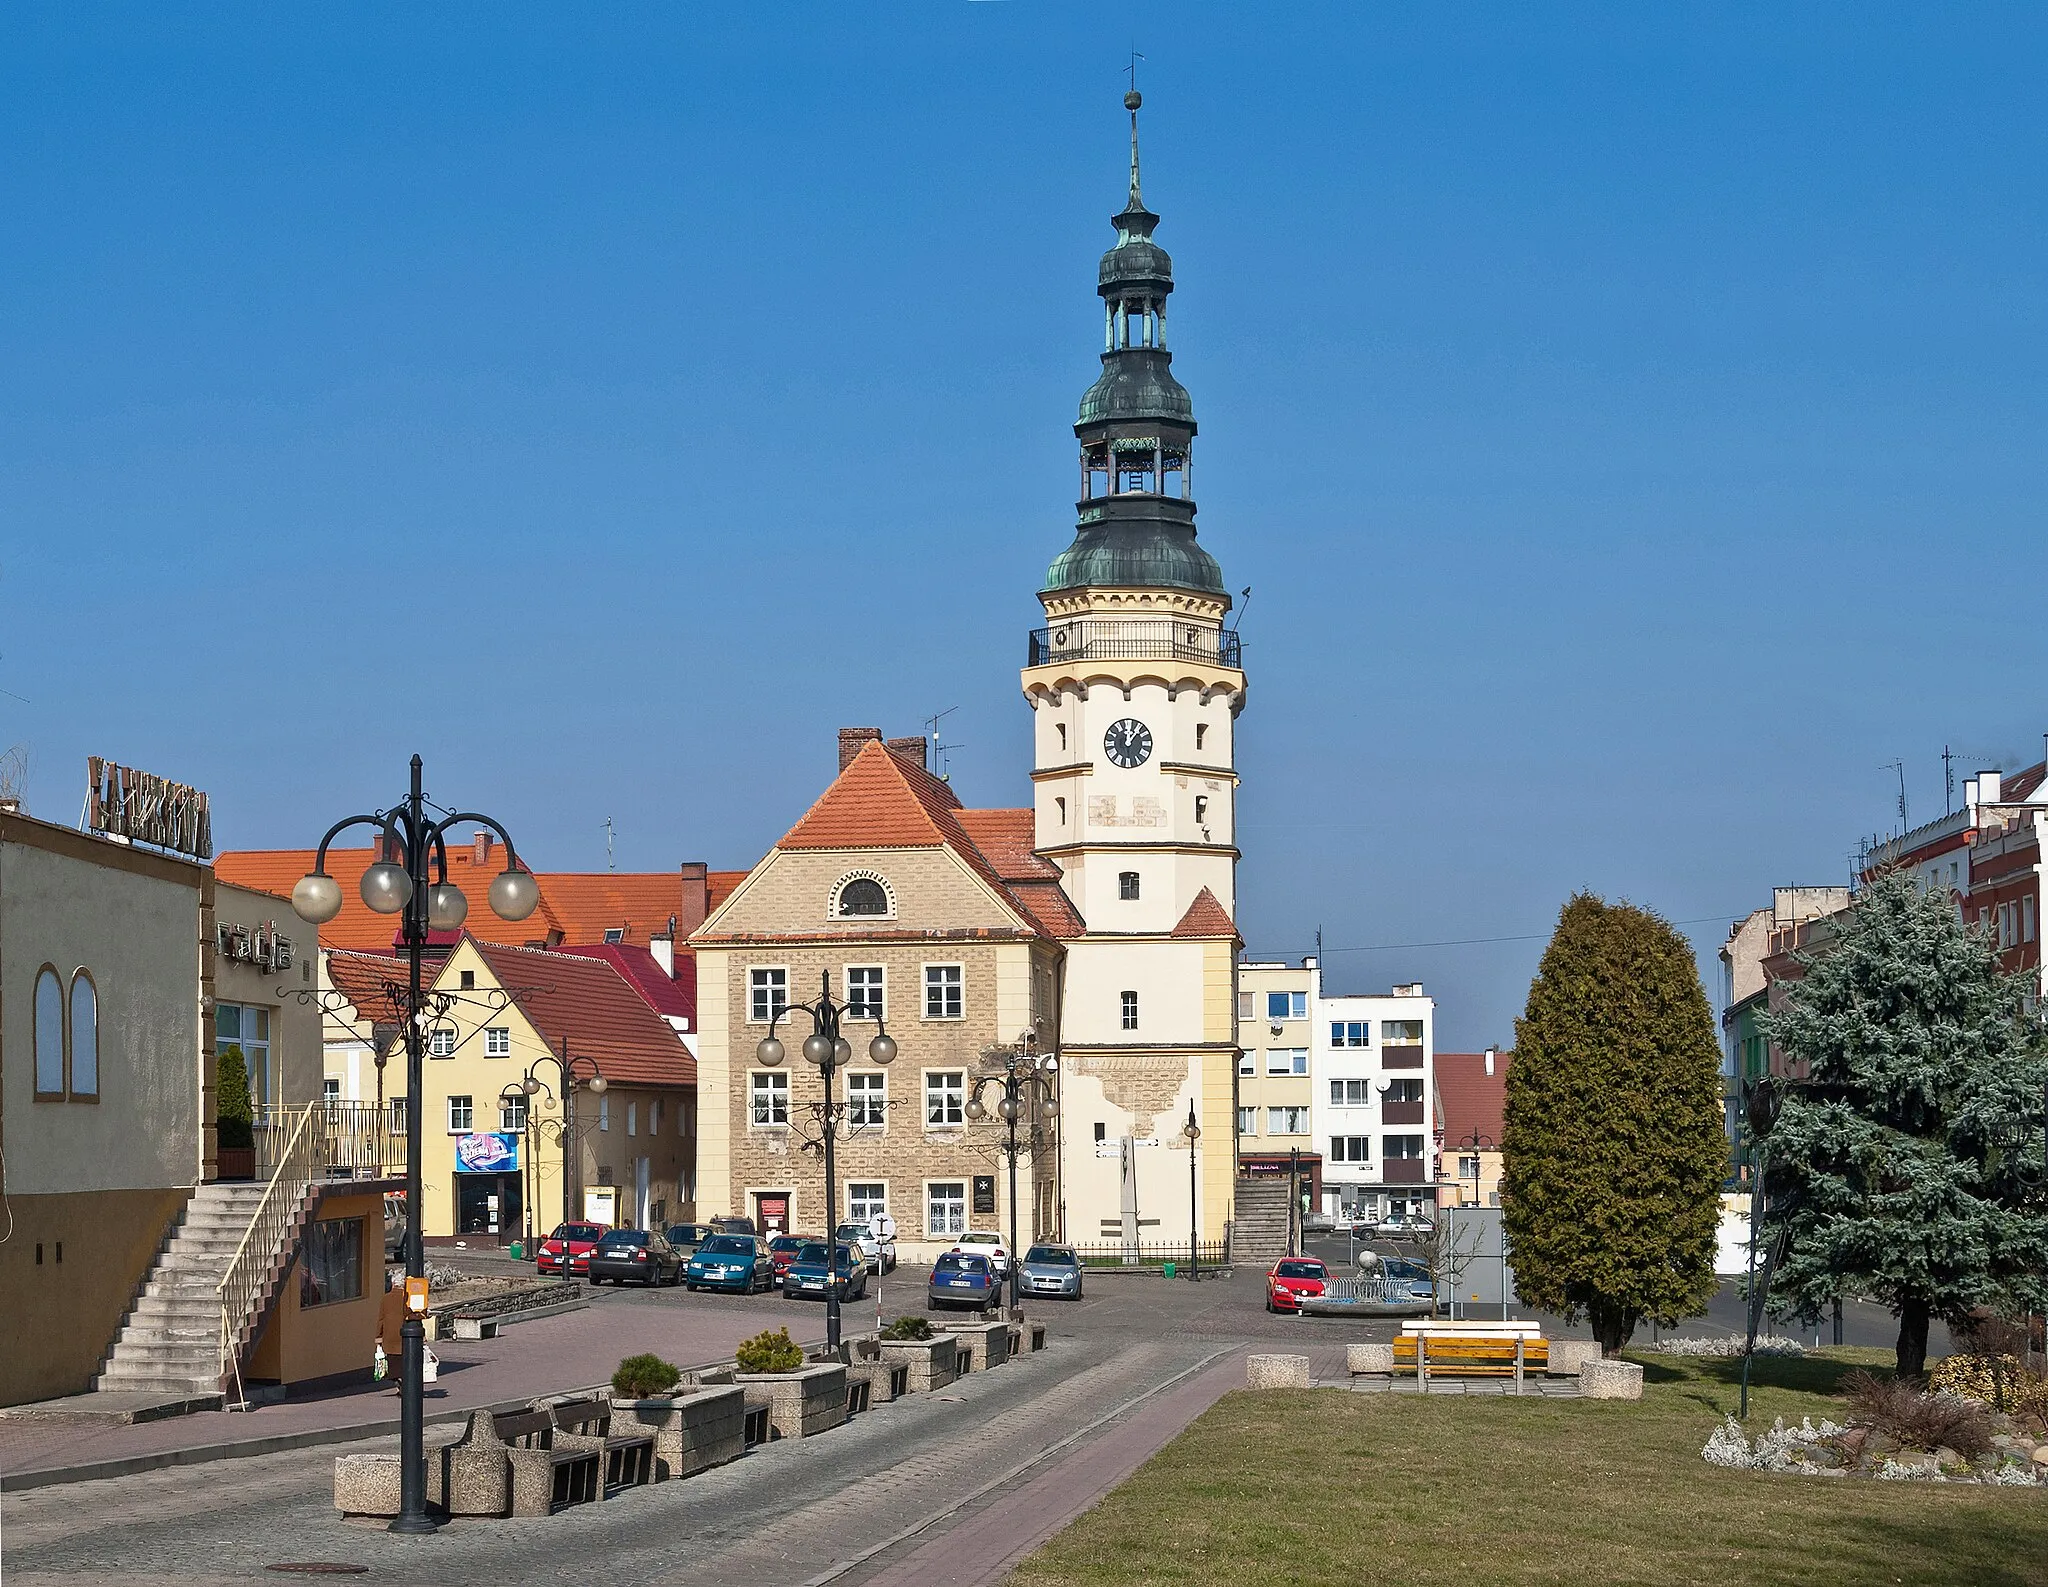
(1323,1486)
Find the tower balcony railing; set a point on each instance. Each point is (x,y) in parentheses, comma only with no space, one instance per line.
(1134,640)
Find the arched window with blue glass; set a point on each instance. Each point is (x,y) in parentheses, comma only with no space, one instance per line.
(85,1038)
(49,1033)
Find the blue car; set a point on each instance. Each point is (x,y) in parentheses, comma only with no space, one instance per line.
(737,1262)
(806,1273)
(959,1279)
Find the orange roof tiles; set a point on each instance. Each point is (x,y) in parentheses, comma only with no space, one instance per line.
(588,1003)
(1008,838)
(1206,917)
(368,981)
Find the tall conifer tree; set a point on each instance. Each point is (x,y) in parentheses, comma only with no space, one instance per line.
(1615,1151)
(1895,1169)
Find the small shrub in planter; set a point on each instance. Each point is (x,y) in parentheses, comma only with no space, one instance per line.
(770,1351)
(645,1377)
(912,1328)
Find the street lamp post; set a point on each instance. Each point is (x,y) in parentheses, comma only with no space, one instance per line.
(400,882)
(1761,1102)
(831,1052)
(533,1085)
(1194,1218)
(1022,1078)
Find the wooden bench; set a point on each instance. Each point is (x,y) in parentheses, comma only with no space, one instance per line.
(546,1478)
(1492,1353)
(628,1457)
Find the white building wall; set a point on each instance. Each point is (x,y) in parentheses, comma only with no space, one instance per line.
(1363,1186)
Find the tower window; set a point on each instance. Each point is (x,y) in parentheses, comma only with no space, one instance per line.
(1130,1000)
(863,896)
(1061,804)
(1127,885)
(1063,733)
(1201,807)
(1201,733)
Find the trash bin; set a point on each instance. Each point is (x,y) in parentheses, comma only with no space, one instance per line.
(517,1250)
(1168,1270)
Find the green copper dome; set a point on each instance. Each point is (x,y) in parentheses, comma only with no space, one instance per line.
(1135,556)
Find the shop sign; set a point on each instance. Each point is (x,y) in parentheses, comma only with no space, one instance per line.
(487,1152)
(265,946)
(144,808)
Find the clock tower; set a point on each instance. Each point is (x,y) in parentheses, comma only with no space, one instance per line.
(1135,686)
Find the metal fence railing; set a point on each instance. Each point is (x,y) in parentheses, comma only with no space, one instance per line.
(1150,1253)
(296,1141)
(353,1141)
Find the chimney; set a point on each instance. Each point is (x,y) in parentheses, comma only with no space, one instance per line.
(696,878)
(480,847)
(1489,1059)
(852,740)
(910,750)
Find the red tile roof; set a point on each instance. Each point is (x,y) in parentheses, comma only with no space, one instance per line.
(588,1002)
(665,995)
(1006,839)
(369,981)
(1049,908)
(1471,1099)
(1206,917)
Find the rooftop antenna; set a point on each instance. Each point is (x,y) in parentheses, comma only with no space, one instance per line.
(941,766)
(610,864)
(1244,600)
(1948,781)
(1899,766)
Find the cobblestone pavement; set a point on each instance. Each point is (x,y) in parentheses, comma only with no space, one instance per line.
(949,1487)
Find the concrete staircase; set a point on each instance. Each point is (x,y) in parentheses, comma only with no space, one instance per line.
(1259,1237)
(170,1343)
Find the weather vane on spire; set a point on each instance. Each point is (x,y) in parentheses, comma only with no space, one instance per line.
(1132,101)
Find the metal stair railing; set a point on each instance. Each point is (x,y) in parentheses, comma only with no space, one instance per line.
(301,1161)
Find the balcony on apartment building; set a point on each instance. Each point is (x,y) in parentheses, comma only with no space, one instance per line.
(1403,1112)
(1401,1057)
(1404,1171)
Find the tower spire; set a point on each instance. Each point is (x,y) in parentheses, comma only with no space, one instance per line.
(1132,101)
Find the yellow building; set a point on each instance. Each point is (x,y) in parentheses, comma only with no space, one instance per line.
(1275,1083)
(490,1152)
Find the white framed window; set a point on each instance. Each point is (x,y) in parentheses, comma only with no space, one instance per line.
(1350,1149)
(866,1200)
(863,896)
(1247,1121)
(767,993)
(1126,885)
(1247,1005)
(1248,1063)
(767,1099)
(632,1118)
(1401,1032)
(1400,1148)
(1350,1093)
(246,1027)
(2027,924)
(1287,1005)
(865,992)
(398,1115)
(1287,1060)
(867,1099)
(1287,1121)
(441,1042)
(512,1113)
(945,991)
(604,1113)
(1350,1033)
(1407,1090)
(1468,1168)
(945,1209)
(497,1041)
(330,1089)
(1130,1009)
(945,1099)
(461,1116)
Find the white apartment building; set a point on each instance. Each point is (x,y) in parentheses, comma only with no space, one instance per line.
(1376,1116)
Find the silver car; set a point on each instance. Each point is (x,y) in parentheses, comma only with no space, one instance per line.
(1051,1270)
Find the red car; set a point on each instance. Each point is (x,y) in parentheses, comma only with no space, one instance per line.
(567,1250)
(1292,1277)
(782,1251)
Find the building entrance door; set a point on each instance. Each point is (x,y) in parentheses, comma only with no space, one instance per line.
(488,1206)
(771,1211)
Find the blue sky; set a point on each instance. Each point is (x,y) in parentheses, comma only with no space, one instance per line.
(1627,417)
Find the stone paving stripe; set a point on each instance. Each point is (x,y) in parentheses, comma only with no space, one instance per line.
(1024,1519)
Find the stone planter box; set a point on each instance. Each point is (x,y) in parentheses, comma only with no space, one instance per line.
(1276,1372)
(693,1432)
(1364,1360)
(799,1404)
(933,1362)
(1610,1380)
(982,1345)
(881,1377)
(1568,1355)
(366,1484)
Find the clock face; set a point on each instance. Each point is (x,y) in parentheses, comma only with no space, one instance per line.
(1128,742)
